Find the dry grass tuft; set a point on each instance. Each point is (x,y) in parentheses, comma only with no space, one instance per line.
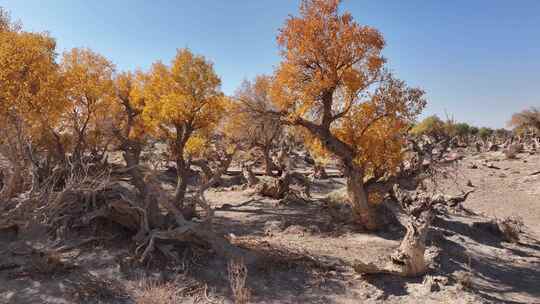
(510,228)
(152,292)
(238,278)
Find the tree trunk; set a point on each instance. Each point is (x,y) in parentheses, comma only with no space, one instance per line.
(14,184)
(408,260)
(410,254)
(249,176)
(268,163)
(132,157)
(363,213)
(181,182)
(205,168)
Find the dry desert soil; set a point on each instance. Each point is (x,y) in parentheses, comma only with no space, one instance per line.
(310,251)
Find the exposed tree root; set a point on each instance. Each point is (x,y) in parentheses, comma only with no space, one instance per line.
(85,201)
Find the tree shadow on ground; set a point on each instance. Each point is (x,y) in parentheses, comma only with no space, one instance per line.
(75,286)
(289,276)
(392,285)
(278,276)
(253,216)
(496,272)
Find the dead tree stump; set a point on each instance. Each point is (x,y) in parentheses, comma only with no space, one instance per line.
(249,176)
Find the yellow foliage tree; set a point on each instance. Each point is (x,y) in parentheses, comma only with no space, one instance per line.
(249,121)
(183,104)
(30,90)
(88,78)
(526,121)
(128,129)
(332,82)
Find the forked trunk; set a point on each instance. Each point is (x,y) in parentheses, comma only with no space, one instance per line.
(363,213)
(150,204)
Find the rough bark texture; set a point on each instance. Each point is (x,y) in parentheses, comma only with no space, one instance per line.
(362,211)
(409,258)
(410,254)
(278,187)
(81,204)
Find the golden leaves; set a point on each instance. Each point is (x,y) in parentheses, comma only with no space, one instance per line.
(324,51)
(89,91)
(332,75)
(185,96)
(30,82)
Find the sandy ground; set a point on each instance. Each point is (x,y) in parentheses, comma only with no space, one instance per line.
(511,190)
(501,272)
(310,254)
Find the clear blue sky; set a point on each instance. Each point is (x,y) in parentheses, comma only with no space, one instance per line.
(478,60)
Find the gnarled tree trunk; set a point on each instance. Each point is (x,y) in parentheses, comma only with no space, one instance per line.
(363,213)
(410,254)
(132,156)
